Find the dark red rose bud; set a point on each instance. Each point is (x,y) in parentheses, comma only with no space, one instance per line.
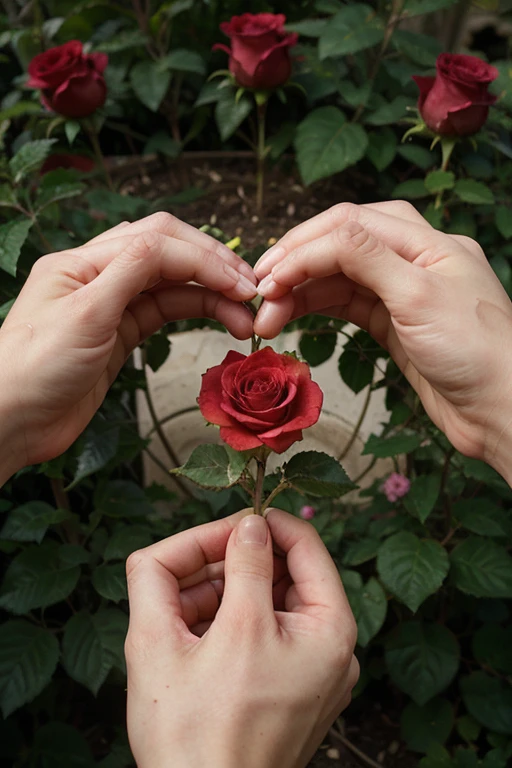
(456,101)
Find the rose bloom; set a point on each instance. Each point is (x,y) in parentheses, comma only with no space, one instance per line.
(263,399)
(395,486)
(259,56)
(71,81)
(81,163)
(456,101)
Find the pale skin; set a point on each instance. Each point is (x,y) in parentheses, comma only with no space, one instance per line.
(237,656)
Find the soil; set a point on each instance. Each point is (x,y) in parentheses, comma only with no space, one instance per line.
(228,202)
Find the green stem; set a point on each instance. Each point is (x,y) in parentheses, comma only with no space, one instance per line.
(447,147)
(258,488)
(260,155)
(93,137)
(357,427)
(283,485)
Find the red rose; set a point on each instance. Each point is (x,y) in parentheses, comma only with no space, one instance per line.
(259,56)
(263,399)
(62,160)
(71,81)
(456,101)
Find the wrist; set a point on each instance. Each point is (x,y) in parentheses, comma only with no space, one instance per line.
(498,444)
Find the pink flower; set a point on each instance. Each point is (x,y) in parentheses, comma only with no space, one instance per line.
(307,512)
(395,486)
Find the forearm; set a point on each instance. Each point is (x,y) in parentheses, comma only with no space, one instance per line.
(11,457)
(499,452)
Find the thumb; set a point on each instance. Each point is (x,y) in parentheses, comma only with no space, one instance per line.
(248,570)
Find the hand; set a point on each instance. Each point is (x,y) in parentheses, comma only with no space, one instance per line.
(81,313)
(254,682)
(431,299)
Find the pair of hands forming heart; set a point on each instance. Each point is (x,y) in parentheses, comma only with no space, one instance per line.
(431,299)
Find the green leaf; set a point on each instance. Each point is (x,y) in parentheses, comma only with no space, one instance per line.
(482,568)
(390,112)
(99,445)
(437,757)
(157,349)
(126,540)
(422,727)
(92,645)
(382,146)
(317,474)
(422,49)
(109,581)
(326,144)
(422,496)
(213,466)
(354,28)
(369,606)
(73,554)
(115,204)
(489,701)
(316,348)
(503,221)
(492,646)
(150,83)
(31,521)
(30,157)
(230,113)
(417,155)
(122,498)
(28,659)
(422,659)
(468,728)
(183,60)
(359,552)
(71,129)
(5,308)
(356,364)
(412,568)
(163,144)
(7,196)
(483,517)
(438,181)
(58,745)
(307,27)
(471,191)
(36,578)
(383,447)
(412,189)
(58,185)
(12,236)
(420,7)
(20,109)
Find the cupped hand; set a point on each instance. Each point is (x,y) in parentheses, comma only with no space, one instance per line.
(431,299)
(252,678)
(81,312)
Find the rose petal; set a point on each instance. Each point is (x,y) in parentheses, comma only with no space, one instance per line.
(239,438)
(282,442)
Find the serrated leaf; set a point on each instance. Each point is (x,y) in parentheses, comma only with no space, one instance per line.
(150,83)
(382,147)
(326,144)
(503,220)
(58,745)
(471,191)
(183,60)
(100,444)
(413,189)
(489,701)
(422,659)
(483,517)
(307,27)
(316,348)
(28,659)
(109,581)
(422,49)
(359,552)
(126,540)
(354,28)
(388,113)
(36,578)
(92,645)
(50,193)
(481,568)
(12,236)
(30,521)
(317,474)
(422,496)
(438,181)
(157,349)
(384,447)
(422,727)
(368,603)
(122,498)
(420,7)
(7,196)
(468,728)
(230,113)
(356,364)
(30,157)
(412,568)
(213,466)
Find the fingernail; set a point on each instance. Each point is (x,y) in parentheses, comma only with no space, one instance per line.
(267,260)
(266,285)
(252,530)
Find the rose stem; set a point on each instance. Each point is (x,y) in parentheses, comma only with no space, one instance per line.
(258,490)
(93,137)
(447,147)
(255,340)
(260,155)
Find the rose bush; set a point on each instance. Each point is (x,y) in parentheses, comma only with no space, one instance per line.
(71,82)
(456,101)
(259,56)
(261,399)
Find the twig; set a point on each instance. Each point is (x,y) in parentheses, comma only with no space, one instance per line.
(352,747)
(357,427)
(277,490)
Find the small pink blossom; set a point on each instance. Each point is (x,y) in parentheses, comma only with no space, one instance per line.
(307,512)
(395,486)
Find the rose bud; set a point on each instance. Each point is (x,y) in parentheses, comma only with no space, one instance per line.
(307,512)
(261,399)
(456,101)
(259,56)
(71,82)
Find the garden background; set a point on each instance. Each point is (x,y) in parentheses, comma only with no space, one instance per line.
(428,574)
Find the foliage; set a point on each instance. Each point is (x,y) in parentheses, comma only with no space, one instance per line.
(428,576)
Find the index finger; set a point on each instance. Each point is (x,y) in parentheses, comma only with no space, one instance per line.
(316,581)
